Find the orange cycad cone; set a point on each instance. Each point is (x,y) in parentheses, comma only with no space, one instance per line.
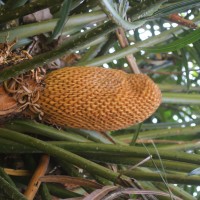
(91,98)
(97,99)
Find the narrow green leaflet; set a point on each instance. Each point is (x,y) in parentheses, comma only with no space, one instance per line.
(64,15)
(110,9)
(135,135)
(176,44)
(149,12)
(176,7)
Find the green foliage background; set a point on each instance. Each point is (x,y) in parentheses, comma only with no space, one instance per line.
(166,51)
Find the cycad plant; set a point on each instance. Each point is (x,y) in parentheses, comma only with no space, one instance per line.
(71,128)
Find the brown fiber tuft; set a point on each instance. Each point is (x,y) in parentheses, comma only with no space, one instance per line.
(98,99)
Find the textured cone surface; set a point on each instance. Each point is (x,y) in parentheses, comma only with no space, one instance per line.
(98,99)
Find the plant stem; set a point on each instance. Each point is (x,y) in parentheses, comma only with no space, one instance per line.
(121,150)
(95,148)
(161,133)
(176,191)
(160,125)
(61,191)
(44,191)
(37,28)
(181,98)
(128,160)
(177,88)
(6,177)
(183,147)
(63,154)
(10,191)
(7,146)
(41,129)
(171,178)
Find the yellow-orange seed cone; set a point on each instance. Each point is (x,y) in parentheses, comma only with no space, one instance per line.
(98,99)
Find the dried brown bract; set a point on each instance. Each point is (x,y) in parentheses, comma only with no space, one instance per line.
(26,89)
(9,57)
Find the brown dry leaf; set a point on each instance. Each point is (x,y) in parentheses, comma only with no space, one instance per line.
(38,16)
(100,193)
(71,180)
(17,172)
(70,59)
(9,57)
(181,21)
(123,41)
(35,182)
(5,51)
